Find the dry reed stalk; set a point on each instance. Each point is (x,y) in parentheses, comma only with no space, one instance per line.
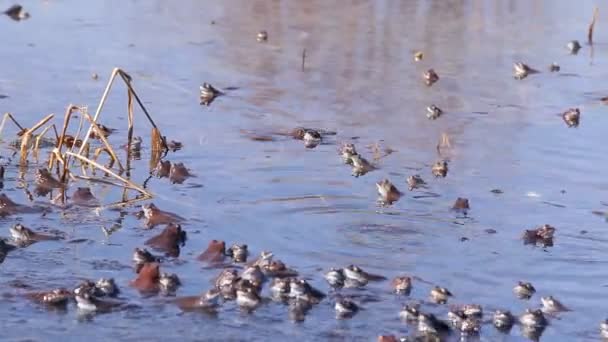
(10,116)
(28,135)
(98,152)
(39,137)
(591,26)
(107,145)
(123,203)
(102,101)
(66,121)
(127,80)
(126,182)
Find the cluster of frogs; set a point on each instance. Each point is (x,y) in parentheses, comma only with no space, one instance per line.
(466,319)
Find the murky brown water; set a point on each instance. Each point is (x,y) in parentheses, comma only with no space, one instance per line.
(303,204)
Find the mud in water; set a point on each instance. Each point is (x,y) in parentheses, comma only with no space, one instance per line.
(272,193)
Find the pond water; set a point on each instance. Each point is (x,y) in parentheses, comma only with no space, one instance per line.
(360,80)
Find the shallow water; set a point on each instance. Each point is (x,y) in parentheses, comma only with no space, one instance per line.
(361,81)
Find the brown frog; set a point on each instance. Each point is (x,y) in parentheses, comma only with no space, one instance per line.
(276,268)
(524,290)
(357,277)
(215,252)
(461,205)
(175,145)
(168,283)
(45,179)
(503,320)
(572,117)
(154,216)
(301,290)
(414,182)
(430,77)
(88,303)
(148,278)
(208,301)
(360,165)
(440,295)
(410,312)
(533,318)
(262,36)
(142,256)
(84,197)
(247,298)
(104,130)
(552,305)
(440,169)
(169,240)
(402,285)
(24,236)
(347,151)
(55,297)
(433,112)
(179,173)
(254,275)
(345,308)
(208,94)
(573,46)
(279,289)
(238,253)
(388,192)
(163,169)
(542,236)
(335,277)
(9,207)
(521,71)
(226,282)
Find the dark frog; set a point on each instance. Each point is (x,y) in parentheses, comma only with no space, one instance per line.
(24,236)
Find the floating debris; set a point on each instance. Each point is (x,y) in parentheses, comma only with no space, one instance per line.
(418,55)
(572,117)
(94,76)
(433,112)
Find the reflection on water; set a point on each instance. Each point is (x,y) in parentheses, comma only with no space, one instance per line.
(360,80)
